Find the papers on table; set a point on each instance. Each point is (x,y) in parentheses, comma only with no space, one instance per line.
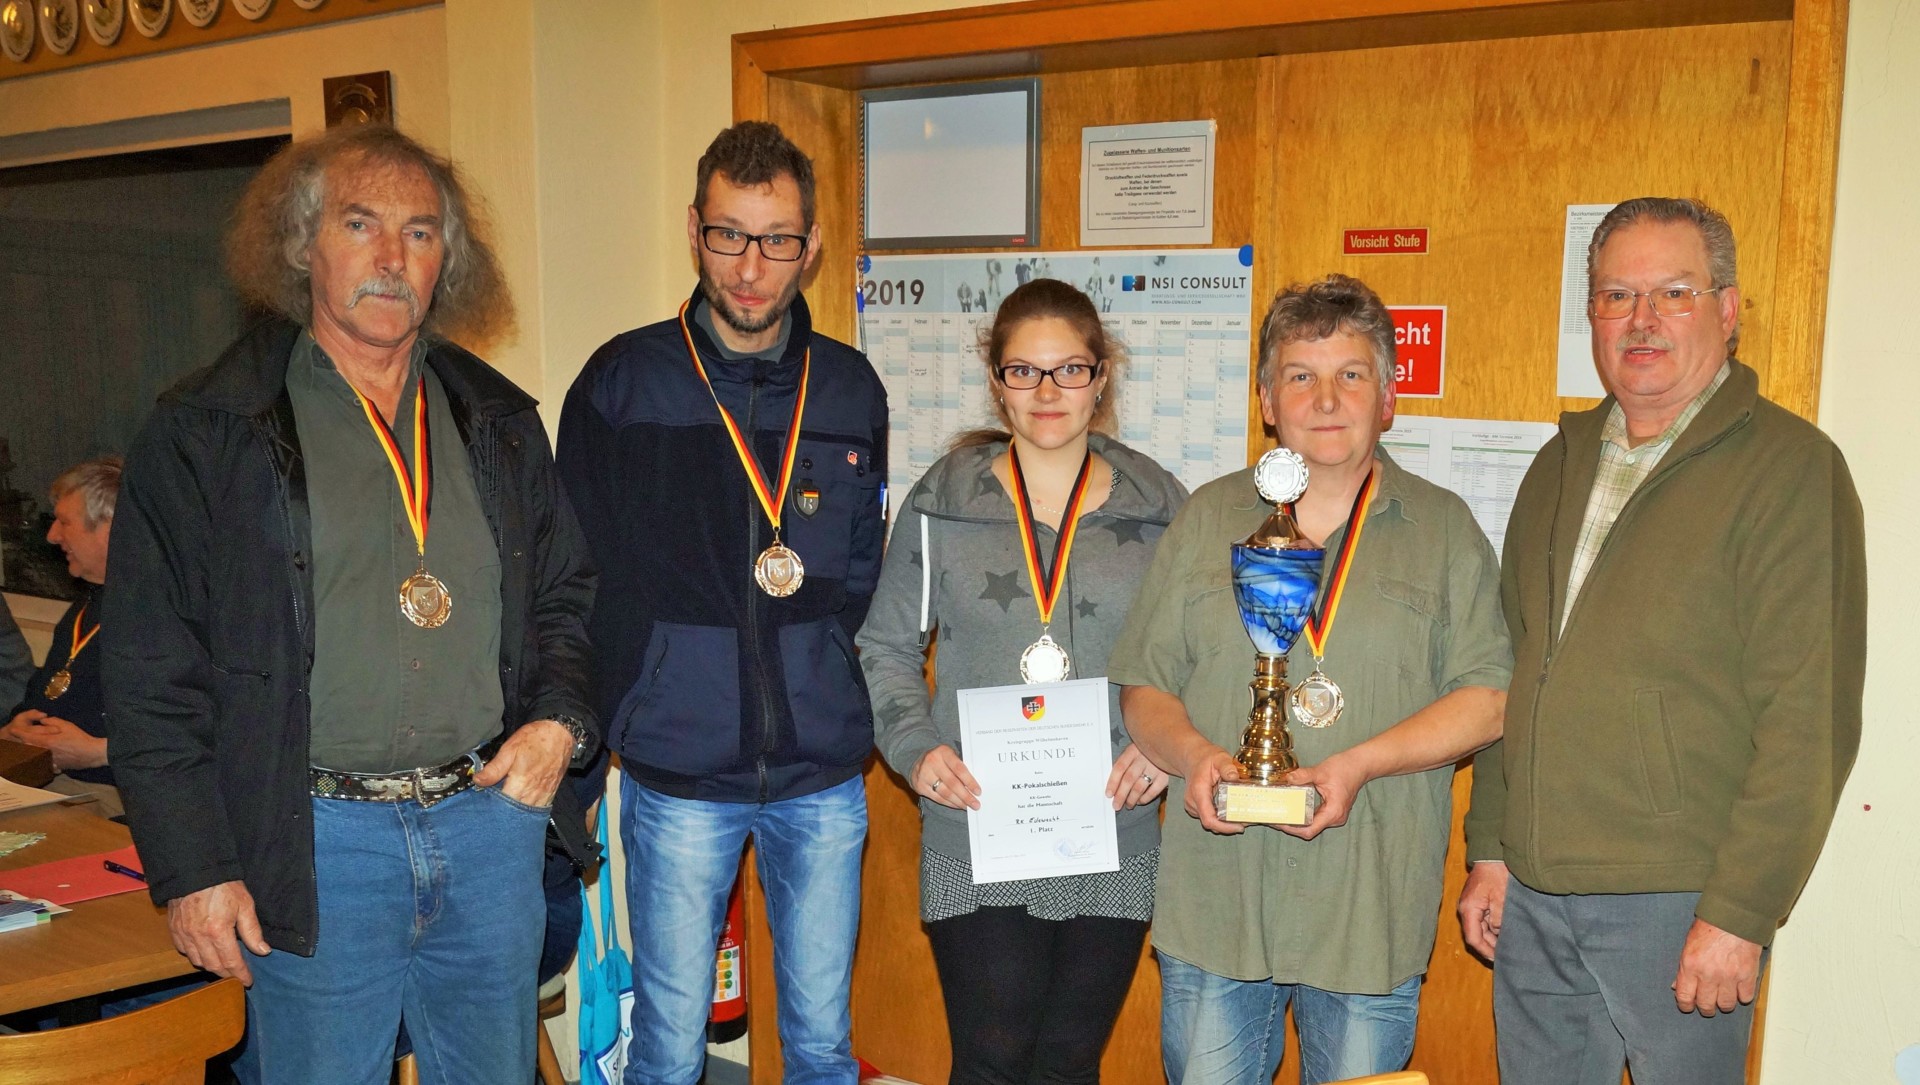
(1041,754)
(20,797)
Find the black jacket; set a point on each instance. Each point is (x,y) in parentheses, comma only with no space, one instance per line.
(209,634)
(711,688)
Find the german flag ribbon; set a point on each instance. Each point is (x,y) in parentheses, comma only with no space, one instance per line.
(416,492)
(1320,623)
(1047,581)
(79,643)
(772,498)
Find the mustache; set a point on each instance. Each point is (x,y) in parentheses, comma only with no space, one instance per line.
(1642,339)
(387,286)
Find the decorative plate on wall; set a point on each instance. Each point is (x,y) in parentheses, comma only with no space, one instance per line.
(16,29)
(60,24)
(105,18)
(253,9)
(308,4)
(150,16)
(200,12)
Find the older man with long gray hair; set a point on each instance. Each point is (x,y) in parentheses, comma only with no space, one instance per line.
(346,656)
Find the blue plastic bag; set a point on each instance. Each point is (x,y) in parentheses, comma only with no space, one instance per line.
(606,987)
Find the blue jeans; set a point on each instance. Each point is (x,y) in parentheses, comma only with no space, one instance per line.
(1220,1031)
(682,858)
(428,914)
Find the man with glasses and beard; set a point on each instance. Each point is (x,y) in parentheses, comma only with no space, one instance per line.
(1685,584)
(345,654)
(727,465)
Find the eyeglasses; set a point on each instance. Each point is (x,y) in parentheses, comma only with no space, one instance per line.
(1025,378)
(727,241)
(1666,301)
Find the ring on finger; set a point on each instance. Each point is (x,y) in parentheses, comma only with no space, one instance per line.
(1146,778)
(935,786)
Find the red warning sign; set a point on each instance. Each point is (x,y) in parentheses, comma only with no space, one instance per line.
(1404,240)
(1420,341)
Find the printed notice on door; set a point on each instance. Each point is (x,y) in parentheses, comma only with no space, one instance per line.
(1147,184)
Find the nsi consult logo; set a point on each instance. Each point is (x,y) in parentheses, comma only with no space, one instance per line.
(1133,282)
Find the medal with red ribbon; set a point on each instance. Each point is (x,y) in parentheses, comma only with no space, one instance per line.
(423,598)
(1044,660)
(62,679)
(778,569)
(1317,700)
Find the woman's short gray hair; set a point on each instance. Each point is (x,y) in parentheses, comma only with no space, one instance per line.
(1337,304)
(97,481)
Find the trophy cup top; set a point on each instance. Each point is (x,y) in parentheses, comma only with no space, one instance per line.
(1276,570)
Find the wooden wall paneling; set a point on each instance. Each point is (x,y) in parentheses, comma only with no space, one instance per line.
(1485,143)
(1816,72)
(1073,35)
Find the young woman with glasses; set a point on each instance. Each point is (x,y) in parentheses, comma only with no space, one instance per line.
(1020,551)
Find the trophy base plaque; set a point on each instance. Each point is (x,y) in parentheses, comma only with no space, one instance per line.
(1265,804)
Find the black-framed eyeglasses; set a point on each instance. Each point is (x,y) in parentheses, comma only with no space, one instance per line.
(727,241)
(1025,378)
(1666,301)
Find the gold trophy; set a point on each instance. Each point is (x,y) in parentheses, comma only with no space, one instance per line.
(1276,574)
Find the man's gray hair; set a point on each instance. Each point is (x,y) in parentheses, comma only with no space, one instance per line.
(97,481)
(278,218)
(1337,304)
(1722,260)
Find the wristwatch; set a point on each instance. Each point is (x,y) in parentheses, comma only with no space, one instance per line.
(583,739)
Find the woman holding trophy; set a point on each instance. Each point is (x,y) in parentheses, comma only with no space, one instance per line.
(1399,669)
(1021,550)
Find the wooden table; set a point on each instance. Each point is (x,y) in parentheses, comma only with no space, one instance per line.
(100,946)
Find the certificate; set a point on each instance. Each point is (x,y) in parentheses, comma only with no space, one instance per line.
(1041,755)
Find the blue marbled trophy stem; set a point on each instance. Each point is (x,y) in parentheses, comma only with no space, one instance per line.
(1274,586)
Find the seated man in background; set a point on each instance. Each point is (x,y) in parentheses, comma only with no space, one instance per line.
(62,710)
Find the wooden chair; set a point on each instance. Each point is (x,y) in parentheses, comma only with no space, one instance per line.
(166,1044)
(1398,1077)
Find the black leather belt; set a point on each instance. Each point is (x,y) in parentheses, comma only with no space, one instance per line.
(425,786)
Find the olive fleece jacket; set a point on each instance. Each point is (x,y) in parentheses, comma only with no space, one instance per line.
(1691,725)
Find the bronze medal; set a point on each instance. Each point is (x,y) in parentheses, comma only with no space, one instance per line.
(425,600)
(778,571)
(62,679)
(61,682)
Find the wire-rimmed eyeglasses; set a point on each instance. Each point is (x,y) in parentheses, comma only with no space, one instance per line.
(1666,301)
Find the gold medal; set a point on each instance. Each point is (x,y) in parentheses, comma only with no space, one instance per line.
(778,571)
(425,600)
(62,679)
(1316,702)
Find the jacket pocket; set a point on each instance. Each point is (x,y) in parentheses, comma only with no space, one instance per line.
(832,720)
(829,499)
(683,713)
(1659,764)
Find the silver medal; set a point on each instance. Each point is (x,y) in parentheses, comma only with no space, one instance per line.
(1316,702)
(1044,661)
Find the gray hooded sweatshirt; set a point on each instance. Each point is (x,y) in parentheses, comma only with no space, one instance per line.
(981,606)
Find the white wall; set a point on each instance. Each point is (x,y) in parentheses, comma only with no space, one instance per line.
(1846,972)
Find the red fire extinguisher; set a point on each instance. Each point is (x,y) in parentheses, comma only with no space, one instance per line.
(728,1019)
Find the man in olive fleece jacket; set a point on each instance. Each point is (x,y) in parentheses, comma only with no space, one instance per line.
(1685,584)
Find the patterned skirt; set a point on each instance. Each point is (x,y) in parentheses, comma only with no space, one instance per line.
(947,890)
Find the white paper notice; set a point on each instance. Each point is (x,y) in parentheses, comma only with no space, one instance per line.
(1578,377)
(1147,184)
(1041,755)
(1481,460)
(19,796)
